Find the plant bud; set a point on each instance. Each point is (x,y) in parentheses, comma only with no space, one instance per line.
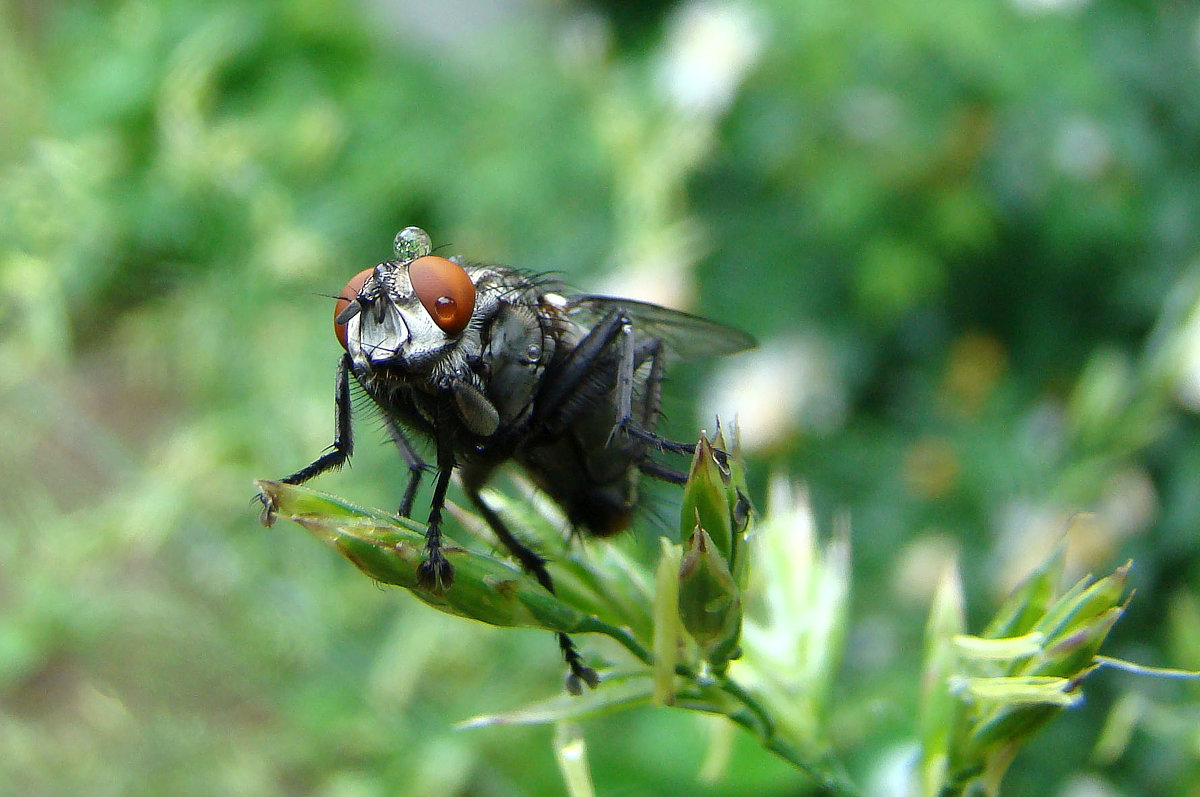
(710,603)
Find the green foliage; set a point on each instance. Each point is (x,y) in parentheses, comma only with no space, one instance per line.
(698,595)
(985,697)
(964,233)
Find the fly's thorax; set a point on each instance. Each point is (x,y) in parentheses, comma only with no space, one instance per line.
(518,345)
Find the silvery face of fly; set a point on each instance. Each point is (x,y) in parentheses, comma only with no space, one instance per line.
(491,364)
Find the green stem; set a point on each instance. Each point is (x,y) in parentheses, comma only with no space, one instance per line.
(828,775)
(755,718)
(622,636)
(766,724)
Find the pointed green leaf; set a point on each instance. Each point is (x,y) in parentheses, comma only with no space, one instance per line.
(1004,649)
(940,710)
(1029,602)
(612,695)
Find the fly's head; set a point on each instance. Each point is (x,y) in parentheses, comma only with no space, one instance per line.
(411,314)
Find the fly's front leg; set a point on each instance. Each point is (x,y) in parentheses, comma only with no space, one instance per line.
(337,454)
(416,465)
(436,574)
(343,441)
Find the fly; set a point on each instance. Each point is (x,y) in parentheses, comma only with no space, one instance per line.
(493,364)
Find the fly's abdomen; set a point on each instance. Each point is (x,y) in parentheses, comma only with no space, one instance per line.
(592,478)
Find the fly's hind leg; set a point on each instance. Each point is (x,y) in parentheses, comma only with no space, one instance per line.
(533,563)
(661,472)
(605,359)
(633,358)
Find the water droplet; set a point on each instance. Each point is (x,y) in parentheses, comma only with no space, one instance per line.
(411,243)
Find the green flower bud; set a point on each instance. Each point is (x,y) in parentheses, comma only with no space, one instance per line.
(1071,654)
(715,497)
(1029,602)
(1026,668)
(736,496)
(710,603)
(1082,602)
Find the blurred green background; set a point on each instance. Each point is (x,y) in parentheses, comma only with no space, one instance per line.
(963,231)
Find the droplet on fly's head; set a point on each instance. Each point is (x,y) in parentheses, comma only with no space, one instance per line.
(411,243)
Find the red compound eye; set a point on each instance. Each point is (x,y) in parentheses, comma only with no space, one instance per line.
(445,291)
(347,295)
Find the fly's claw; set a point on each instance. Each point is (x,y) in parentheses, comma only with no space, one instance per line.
(269,510)
(580,673)
(620,429)
(435,574)
(628,429)
(577,678)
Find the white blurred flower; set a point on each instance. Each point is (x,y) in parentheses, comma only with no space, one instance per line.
(1025,533)
(920,564)
(1088,786)
(658,269)
(1082,149)
(710,47)
(1187,365)
(800,589)
(869,114)
(782,387)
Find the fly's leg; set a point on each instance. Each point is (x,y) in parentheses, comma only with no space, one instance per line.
(589,368)
(338,453)
(580,673)
(343,441)
(560,397)
(632,358)
(436,574)
(416,465)
(532,563)
(661,472)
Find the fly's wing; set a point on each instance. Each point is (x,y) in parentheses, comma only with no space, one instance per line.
(683,335)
